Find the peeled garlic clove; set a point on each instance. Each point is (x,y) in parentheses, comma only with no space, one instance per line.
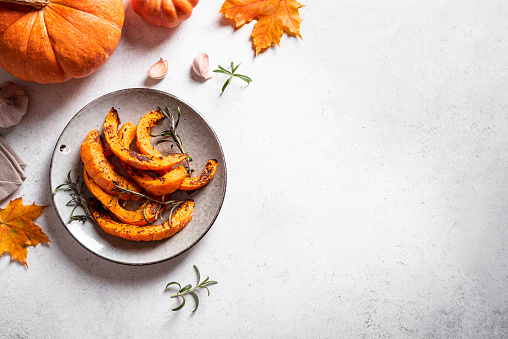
(158,70)
(201,65)
(13,104)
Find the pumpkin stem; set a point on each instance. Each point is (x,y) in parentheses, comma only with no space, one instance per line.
(38,4)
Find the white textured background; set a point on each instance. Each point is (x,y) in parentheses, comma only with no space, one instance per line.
(367,182)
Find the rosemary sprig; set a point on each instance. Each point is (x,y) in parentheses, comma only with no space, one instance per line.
(77,199)
(136,197)
(188,289)
(76,194)
(177,139)
(231,75)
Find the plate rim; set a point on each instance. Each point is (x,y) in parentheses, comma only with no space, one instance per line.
(223,190)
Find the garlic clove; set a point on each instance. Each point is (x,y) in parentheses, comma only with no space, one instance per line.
(201,65)
(158,70)
(13,104)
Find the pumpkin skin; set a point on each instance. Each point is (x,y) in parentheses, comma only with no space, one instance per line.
(63,40)
(167,13)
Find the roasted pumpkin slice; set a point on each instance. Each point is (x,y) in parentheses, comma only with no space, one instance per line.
(179,220)
(106,148)
(132,158)
(100,169)
(207,175)
(164,184)
(145,125)
(142,216)
(144,145)
(127,134)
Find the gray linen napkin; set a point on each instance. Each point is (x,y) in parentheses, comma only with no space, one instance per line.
(11,170)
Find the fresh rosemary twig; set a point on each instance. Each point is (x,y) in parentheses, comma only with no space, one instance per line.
(122,191)
(136,196)
(188,289)
(177,139)
(231,75)
(77,198)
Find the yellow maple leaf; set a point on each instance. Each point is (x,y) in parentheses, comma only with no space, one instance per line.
(17,229)
(273,18)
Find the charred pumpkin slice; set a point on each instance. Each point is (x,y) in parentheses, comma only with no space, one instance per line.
(105,147)
(145,125)
(207,175)
(164,184)
(179,220)
(132,158)
(100,169)
(144,145)
(142,216)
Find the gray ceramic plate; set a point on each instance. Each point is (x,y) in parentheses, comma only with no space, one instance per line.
(199,140)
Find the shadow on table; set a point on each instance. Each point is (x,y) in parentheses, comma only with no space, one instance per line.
(106,270)
(139,34)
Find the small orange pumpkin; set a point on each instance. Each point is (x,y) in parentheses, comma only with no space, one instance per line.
(167,13)
(52,41)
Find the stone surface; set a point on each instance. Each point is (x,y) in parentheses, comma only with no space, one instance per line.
(367,180)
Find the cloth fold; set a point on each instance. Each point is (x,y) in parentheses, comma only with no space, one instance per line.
(11,170)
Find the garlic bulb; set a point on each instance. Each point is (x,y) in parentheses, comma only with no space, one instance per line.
(201,65)
(13,104)
(158,70)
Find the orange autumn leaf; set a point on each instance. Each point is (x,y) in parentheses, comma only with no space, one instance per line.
(273,18)
(17,230)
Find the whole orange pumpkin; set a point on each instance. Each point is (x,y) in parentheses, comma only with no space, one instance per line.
(51,41)
(167,13)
